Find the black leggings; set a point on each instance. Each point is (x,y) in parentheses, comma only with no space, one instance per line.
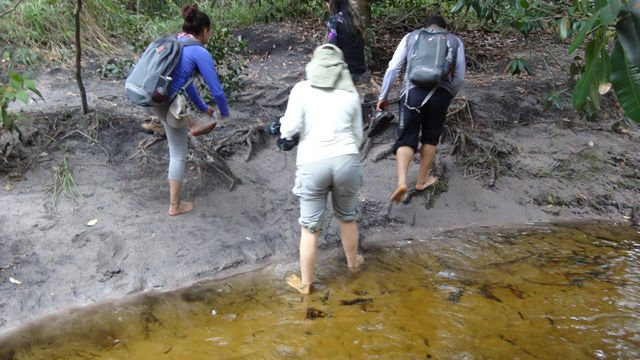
(429,119)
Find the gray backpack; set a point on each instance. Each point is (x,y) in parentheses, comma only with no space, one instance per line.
(149,82)
(430,60)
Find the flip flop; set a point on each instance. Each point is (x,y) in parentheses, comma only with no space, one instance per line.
(426,185)
(295,282)
(204,129)
(380,122)
(398,194)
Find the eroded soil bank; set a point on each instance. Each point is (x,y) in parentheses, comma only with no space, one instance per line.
(505,160)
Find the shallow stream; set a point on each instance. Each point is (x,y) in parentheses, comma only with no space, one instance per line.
(568,291)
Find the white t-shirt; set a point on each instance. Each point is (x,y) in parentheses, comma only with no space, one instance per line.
(329,122)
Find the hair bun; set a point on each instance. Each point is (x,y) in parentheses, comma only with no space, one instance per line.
(189,12)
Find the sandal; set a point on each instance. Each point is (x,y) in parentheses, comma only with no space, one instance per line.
(429,182)
(398,194)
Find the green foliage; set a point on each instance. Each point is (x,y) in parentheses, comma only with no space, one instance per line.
(625,78)
(588,24)
(224,48)
(17,88)
(556,98)
(521,15)
(115,69)
(63,182)
(17,59)
(518,66)
(281,10)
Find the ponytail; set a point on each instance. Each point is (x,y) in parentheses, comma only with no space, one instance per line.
(195,21)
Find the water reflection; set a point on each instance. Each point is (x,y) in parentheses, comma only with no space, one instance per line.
(565,291)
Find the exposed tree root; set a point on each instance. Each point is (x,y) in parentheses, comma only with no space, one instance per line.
(383,154)
(245,136)
(143,145)
(205,157)
(480,153)
(430,194)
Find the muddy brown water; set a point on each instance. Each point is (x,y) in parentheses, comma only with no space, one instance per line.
(568,291)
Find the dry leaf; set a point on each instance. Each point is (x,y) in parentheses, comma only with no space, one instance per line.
(604,88)
(8,187)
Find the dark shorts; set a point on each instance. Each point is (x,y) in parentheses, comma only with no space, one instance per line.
(357,78)
(424,124)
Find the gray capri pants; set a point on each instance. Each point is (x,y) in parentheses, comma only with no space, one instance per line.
(340,175)
(178,143)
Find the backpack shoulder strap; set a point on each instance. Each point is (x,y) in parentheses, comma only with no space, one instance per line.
(183,44)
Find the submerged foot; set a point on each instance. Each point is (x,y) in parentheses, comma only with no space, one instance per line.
(182,207)
(295,282)
(196,129)
(358,264)
(427,183)
(398,193)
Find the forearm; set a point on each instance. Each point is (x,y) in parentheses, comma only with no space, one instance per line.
(195,98)
(395,66)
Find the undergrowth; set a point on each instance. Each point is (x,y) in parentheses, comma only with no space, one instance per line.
(62,182)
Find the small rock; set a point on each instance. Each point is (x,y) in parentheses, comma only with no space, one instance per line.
(92,222)
(15,281)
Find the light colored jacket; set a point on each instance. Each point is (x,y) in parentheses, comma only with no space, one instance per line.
(329,122)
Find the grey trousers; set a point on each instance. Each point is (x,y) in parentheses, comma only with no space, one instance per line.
(340,175)
(178,143)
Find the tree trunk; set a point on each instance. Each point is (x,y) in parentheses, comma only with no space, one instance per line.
(363,10)
(83,93)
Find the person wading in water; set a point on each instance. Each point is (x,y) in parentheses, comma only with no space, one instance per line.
(324,111)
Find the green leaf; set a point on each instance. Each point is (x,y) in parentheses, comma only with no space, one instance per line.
(524,4)
(15,84)
(31,85)
(625,78)
(16,77)
(628,31)
(23,96)
(610,11)
(604,67)
(600,3)
(458,6)
(584,85)
(586,27)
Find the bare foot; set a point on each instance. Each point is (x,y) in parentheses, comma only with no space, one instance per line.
(429,182)
(398,193)
(201,129)
(357,266)
(295,282)
(182,207)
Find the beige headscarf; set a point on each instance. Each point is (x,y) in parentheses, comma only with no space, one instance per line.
(328,70)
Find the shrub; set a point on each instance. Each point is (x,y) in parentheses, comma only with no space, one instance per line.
(17,88)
